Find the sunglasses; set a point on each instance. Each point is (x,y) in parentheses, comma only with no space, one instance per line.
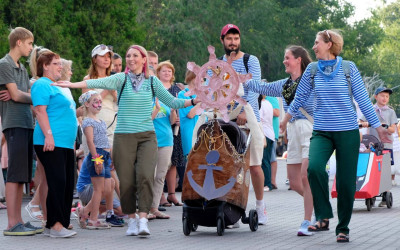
(103,47)
(329,36)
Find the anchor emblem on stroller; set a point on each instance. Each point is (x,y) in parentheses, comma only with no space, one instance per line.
(208,190)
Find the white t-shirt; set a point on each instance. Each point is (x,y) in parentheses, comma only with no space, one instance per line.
(266,115)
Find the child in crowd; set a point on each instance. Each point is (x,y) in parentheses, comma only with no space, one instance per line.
(386,116)
(266,115)
(163,117)
(97,162)
(187,116)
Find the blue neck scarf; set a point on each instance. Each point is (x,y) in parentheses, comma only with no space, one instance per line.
(329,68)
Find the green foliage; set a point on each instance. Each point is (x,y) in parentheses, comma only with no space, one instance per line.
(72,28)
(181,30)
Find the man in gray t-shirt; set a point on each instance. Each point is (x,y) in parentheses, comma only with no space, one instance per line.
(17,125)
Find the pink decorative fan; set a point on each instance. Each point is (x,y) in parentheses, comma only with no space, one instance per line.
(216,84)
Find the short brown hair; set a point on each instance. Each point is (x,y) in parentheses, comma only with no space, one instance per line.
(167,64)
(19,33)
(189,76)
(45,59)
(152,54)
(335,37)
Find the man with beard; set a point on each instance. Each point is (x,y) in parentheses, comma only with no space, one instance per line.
(243,64)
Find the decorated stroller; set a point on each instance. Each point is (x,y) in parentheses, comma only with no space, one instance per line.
(373,173)
(217,177)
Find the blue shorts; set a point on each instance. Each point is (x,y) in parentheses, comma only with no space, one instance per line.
(106,172)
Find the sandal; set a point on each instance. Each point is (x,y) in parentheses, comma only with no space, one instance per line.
(160,215)
(151,216)
(178,204)
(97,225)
(321,225)
(81,218)
(37,216)
(342,238)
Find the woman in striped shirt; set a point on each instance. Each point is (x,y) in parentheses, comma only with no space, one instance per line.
(299,131)
(135,145)
(335,128)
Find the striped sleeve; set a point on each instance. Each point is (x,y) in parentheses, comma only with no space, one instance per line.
(166,97)
(361,96)
(111,82)
(264,88)
(303,92)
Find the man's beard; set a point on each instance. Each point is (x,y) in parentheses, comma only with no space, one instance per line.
(228,50)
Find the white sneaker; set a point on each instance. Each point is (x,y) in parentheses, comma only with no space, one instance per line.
(303,231)
(143,228)
(262,214)
(133,229)
(63,233)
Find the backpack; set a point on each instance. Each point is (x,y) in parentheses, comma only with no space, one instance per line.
(245,61)
(346,70)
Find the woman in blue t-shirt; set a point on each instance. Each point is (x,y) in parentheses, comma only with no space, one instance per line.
(54,138)
(163,117)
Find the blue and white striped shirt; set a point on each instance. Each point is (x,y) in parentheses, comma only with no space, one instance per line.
(275,89)
(255,69)
(333,109)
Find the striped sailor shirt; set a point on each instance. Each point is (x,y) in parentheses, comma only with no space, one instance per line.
(333,108)
(255,69)
(275,89)
(134,111)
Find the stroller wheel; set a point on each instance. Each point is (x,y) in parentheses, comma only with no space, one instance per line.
(253,220)
(186,227)
(220,226)
(194,227)
(368,202)
(389,199)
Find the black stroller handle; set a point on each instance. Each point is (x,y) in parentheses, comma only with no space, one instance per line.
(369,125)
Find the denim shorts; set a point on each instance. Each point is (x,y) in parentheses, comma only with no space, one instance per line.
(106,172)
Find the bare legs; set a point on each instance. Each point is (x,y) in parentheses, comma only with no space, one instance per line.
(297,174)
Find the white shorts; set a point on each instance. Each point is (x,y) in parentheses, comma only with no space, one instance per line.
(257,147)
(299,133)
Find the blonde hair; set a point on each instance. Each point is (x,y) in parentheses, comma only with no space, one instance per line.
(335,38)
(82,100)
(66,65)
(169,65)
(19,33)
(36,52)
(143,52)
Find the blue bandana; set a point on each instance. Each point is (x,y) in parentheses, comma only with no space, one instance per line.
(329,68)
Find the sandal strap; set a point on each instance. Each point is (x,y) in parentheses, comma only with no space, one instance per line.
(32,206)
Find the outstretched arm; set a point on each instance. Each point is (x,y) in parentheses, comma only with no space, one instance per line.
(75,85)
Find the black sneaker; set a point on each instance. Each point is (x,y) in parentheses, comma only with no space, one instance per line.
(114,221)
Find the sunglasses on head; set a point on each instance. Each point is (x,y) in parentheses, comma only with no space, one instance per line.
(103,47)
(329,36)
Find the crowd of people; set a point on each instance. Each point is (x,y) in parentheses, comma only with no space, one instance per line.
(129,140)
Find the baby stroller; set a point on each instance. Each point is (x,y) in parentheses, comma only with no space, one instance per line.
(217,179)
(373,173)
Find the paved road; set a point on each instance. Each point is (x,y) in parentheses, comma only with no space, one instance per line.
(377,229)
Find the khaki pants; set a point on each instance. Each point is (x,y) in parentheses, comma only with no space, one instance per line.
(163,164)
(135,157)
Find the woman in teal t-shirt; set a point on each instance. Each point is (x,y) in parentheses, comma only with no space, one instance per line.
(54,138)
